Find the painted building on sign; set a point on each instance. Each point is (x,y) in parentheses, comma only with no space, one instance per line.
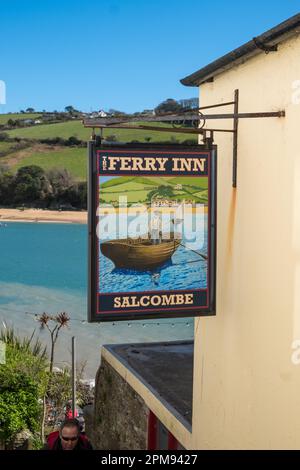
(238,386)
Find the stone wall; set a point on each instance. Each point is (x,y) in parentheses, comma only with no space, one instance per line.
(20,441)
(120,417)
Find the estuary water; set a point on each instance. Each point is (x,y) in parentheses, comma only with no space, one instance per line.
(43,268)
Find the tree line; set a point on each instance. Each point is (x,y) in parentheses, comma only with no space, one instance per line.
(32,186)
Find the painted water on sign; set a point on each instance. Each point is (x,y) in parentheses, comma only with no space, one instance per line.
(186,269)
(43,267)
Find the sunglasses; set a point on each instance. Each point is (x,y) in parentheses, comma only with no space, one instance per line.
(69,438)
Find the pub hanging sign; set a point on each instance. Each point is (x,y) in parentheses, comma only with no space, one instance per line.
(152,231)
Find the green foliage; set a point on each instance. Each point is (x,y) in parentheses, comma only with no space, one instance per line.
(76,195)
(6,186)
(59,389)
(27,345)
(19,406)
(168,106)
(33,186)
(69,109)
(60,180)
(23,380)
(30,184)
(4,137)
(36,442)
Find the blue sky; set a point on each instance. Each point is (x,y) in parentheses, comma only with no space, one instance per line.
(122,54)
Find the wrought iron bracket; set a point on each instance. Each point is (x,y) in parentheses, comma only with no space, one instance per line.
(195,116)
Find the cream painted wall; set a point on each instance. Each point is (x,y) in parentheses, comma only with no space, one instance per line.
(246,388)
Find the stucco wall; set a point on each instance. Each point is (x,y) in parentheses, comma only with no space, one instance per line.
(246,388)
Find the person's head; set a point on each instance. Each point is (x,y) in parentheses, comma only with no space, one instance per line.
(69,433)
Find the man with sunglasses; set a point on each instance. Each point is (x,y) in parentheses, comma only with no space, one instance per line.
(68,437)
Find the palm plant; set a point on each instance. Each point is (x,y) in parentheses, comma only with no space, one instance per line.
(53,323)
(60,321)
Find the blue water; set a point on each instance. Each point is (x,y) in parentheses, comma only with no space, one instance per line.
(48,255)
(43,267)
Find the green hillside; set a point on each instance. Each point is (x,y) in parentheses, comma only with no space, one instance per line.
(61,129)
(155,180)
(116,181)
(5,146)
(71,159)
(127,187)
(136,190)
(75,128)
(199,182)
(150,180)
(16,116)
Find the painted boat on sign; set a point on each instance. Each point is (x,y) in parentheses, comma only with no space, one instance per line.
(140,253)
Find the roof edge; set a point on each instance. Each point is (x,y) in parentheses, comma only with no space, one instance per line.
(270,38)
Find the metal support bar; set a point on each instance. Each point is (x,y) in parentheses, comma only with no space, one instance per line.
(73,376)
(181,130)
(208,140)
(235,137)
(244,115)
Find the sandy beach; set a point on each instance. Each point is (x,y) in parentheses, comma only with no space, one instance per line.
(40,215)
(73,217)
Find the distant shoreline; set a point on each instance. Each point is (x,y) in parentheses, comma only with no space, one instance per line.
(40,215)
(69,217)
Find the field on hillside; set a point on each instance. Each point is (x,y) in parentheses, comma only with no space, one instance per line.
(136,190)
(5,117)
(71,159)
(5,146)
(76,129)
